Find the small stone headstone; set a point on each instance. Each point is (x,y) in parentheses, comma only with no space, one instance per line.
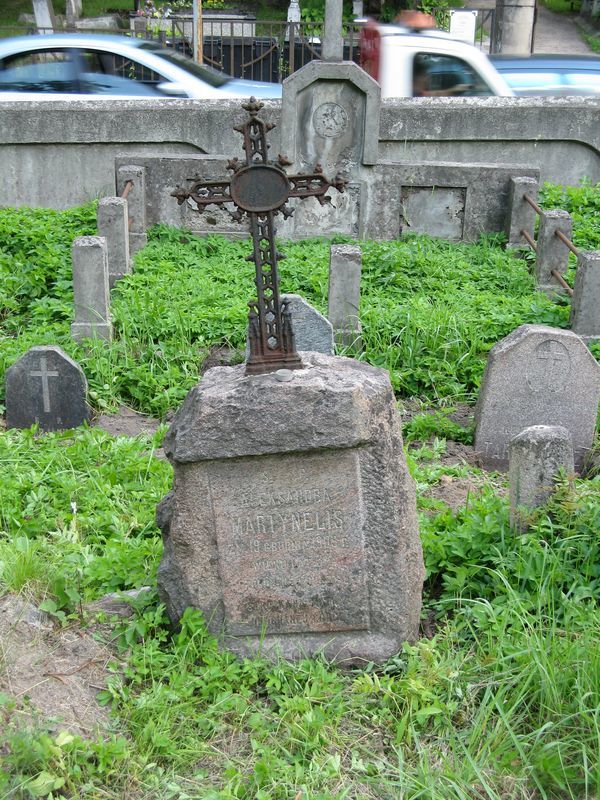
(292,524)
(312,331)
(91,289)
(345,265)
(585,305)
(43,11)
(47,387)
(73,11)
(537,375)
(112,219)
(536,457)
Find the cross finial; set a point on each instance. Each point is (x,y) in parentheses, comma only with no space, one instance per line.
(333,40)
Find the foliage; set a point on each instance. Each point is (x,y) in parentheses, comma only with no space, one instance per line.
(583,203)
(593,41)
(499,701)
(422,305)
(77,513)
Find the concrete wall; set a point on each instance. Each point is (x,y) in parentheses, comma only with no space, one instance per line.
(58,154)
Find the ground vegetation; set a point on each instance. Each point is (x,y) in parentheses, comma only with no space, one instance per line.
(499,699)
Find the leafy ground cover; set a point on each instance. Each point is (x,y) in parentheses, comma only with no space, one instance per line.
(499,699)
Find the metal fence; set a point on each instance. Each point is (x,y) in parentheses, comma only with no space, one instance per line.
(258,50)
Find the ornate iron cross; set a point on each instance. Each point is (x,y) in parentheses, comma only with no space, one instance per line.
(260,189)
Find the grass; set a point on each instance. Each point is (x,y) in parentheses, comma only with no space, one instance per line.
(421,307)
(593,41)
(563,6)
(500,697)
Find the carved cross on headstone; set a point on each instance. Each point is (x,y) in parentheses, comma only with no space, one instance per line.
(44,373)
(260,189)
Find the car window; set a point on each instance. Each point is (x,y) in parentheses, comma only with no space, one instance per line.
(545,80)
(108,73)
(202,71)
(446,76)
(51,70)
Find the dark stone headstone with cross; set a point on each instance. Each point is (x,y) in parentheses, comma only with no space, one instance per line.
(537,375)
(46,387)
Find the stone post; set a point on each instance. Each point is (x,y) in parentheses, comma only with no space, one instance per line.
(113,226)
(513,27)
(294,15)
(536,455)
(43,11)
(90,289)
(333,41)
(520,216)
(136,203)
(551,252)
(585,305)
(345,264)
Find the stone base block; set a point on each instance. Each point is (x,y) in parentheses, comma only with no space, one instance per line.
(292,522)
(87,330)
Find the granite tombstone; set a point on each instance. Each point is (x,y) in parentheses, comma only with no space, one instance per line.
(46,387)
(292,523)
(537,375)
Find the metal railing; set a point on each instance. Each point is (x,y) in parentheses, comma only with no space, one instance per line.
(559,235)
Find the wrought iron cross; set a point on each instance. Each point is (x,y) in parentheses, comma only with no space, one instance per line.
(260,189)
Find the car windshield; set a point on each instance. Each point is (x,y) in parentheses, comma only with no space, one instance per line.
(206,74)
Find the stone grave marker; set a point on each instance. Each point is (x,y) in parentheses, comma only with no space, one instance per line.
(292,523)
(73,11)
(537,375)
(312,331)
(345,265)
(47,387)
(91,295)
(43,12)
(536,457)
(112,226)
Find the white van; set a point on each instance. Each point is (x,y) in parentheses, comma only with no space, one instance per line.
(408,62)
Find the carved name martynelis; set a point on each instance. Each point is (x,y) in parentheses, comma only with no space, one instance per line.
(291,553)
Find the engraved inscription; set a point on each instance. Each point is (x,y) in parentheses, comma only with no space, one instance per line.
(550,368)
(44,373)
(289,535)
(330,120)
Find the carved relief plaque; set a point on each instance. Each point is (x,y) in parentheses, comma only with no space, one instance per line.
(289,535)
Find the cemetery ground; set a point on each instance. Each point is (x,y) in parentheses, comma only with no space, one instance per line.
(500,696)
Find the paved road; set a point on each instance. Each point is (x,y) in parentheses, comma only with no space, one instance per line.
(554,33)
(557,33)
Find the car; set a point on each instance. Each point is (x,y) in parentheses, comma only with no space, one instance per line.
(550,75)
(71,65)
(425,62)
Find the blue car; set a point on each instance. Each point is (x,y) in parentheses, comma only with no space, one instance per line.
(75,65)
(550,75)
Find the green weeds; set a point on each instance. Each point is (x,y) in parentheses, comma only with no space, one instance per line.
(430,310)
(499,699)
